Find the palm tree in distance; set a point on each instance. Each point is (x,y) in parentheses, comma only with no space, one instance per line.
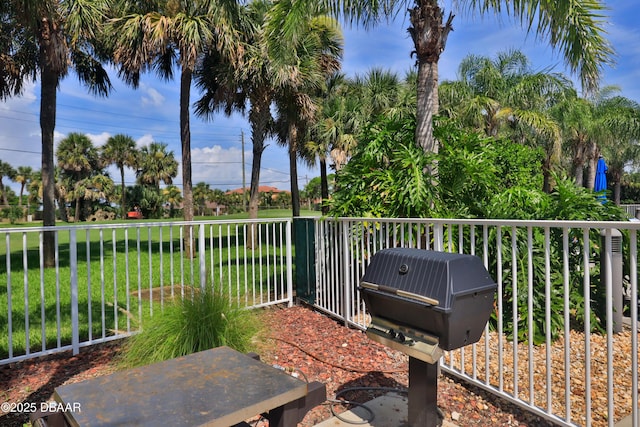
(156,165)
(79,161)
(574,27)
(6,170)
(23,177)
(47,38)
(121,150)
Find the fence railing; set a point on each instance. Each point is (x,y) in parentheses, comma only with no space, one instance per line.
(563,341)
(107,277)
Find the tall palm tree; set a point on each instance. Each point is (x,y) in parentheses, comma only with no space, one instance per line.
(575,27)
(175,32)
(121,150)
(229,86)
(48,37)
(307,48)
(6,170)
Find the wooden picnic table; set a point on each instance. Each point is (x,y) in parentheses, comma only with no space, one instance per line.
(219,387)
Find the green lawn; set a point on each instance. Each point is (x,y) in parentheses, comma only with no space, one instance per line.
(117,277)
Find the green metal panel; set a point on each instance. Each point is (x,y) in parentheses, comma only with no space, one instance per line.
(305,259)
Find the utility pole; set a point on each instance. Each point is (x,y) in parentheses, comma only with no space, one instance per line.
(244,180)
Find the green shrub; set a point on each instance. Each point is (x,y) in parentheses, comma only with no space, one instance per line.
(206,320)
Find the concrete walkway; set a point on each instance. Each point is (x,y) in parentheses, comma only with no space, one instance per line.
(389,410)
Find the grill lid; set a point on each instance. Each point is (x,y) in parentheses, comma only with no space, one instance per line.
(433,278)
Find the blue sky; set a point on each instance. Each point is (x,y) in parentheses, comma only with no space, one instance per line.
(150,113)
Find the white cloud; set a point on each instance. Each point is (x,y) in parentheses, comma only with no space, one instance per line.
(100,139)
(144,140)
(152,97)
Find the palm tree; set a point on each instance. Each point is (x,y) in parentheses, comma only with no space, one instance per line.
(23,177)
(177,33)
(121,150)
(201,194)
(172,195)
(6,170)
(228,87)
(307,47)
(620,122)
(572,26)
(79,161)
(504,97)
(336,124)
(156,165)
(576,118)
(48,37)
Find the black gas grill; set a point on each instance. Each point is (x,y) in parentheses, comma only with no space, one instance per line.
(422,303)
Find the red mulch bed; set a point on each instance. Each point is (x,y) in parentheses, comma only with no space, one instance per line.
(302,341)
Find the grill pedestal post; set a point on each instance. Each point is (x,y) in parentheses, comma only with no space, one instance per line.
(423,393)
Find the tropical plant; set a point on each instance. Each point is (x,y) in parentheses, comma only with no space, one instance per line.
(121,150)
(45,39)
(203,320)
(202,193)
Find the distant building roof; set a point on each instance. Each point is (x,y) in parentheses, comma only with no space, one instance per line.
(261,189)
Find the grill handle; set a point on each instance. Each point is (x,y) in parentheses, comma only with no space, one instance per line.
(400,293)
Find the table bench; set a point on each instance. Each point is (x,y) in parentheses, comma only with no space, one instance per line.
(219,388)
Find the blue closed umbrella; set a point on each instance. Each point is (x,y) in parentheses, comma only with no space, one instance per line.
(600,184)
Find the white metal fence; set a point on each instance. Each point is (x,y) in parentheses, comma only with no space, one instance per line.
(107,277)
(574,363)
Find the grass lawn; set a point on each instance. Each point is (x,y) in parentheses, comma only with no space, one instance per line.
(120,270)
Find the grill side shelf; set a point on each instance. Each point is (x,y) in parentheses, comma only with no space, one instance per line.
(400,293)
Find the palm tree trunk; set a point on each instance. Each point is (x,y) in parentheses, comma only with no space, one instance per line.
(429,36)
(48,86)
(293,169)
(185,137)
(5,202)
(324,185)
(123,200)
(76,215)
(593,161)
(259,116)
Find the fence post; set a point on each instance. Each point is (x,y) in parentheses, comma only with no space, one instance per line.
(289,263)
(202,257)
(305,258)
(347,272)
(73,269)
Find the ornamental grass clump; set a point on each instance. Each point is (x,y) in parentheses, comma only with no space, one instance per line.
(206,320)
